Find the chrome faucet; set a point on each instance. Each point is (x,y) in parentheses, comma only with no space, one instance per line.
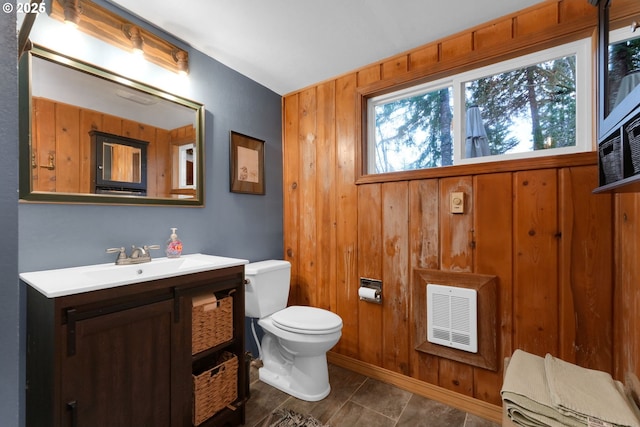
(137,252)
(139,255)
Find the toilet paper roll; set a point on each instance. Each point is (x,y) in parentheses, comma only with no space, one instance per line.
(367,293)
(207,301)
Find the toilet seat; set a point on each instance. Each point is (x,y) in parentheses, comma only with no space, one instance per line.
(307,320)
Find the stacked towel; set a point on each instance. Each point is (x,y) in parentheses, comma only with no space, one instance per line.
(540,392)
(586,394)
(526,394)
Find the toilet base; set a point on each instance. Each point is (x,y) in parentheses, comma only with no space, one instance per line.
(283,383)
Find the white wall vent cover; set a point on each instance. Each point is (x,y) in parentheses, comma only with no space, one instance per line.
(452,318)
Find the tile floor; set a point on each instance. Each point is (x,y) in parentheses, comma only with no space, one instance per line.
(358,401)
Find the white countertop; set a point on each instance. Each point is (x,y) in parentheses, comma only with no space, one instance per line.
(74,280)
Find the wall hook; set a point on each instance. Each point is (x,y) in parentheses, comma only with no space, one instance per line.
(52,163)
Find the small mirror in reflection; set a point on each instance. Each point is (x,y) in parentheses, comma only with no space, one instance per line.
(624,66)
(121,163)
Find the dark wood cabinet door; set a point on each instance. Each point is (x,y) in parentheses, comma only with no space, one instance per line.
(120,373)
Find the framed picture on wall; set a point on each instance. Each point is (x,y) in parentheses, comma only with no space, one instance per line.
(247,164)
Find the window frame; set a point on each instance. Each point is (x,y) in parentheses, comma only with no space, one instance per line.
(385,98)
(585,109)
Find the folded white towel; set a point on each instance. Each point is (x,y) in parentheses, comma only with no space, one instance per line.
(526,394)
(528,418)
(587,394)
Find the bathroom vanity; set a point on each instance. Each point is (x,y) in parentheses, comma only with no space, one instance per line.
(112,345)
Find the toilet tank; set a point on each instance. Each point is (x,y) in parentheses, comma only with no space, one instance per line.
(267,287)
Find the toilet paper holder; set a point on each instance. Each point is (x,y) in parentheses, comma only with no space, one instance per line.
(370,290)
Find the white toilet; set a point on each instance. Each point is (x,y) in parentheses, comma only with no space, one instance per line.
(296,339)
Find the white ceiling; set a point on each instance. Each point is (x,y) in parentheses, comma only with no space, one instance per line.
(287,45)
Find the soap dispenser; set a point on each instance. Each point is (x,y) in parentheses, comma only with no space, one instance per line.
(174,245)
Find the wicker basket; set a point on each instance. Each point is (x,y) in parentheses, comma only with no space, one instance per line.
(611,160)
(633,132)
(215,388)
(212,322)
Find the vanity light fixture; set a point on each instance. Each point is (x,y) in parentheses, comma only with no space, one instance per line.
(112,28)
(133,33)
(72,12)
(182,61)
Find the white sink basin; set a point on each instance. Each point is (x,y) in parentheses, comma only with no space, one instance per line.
(73,280)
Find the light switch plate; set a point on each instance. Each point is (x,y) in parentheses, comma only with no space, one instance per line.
(457,202)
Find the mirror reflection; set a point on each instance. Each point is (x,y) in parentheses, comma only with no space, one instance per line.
(186,166)
(624,65)
(121,163)
(97,137)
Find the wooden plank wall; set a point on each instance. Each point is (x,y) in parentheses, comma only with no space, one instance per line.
(626,347)
(627,294)
(536,225)
(62,131)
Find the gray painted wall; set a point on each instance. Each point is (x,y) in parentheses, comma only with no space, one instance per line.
(230,224)
(59,235)
(11,336)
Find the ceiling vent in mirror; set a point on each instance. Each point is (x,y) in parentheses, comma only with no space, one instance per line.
(137,97)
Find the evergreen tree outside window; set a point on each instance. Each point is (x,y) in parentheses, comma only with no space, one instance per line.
(530,108)
(535,105)
(414,131)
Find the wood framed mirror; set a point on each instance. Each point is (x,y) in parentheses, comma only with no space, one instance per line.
(65,103)
(119,164)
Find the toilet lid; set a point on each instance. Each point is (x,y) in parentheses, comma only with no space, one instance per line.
(307,320)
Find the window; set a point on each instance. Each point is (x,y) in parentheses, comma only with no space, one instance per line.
(412,128)
(535,105)
(184,158)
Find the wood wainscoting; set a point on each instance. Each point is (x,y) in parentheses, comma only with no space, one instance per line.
(534,224)
(61,132)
